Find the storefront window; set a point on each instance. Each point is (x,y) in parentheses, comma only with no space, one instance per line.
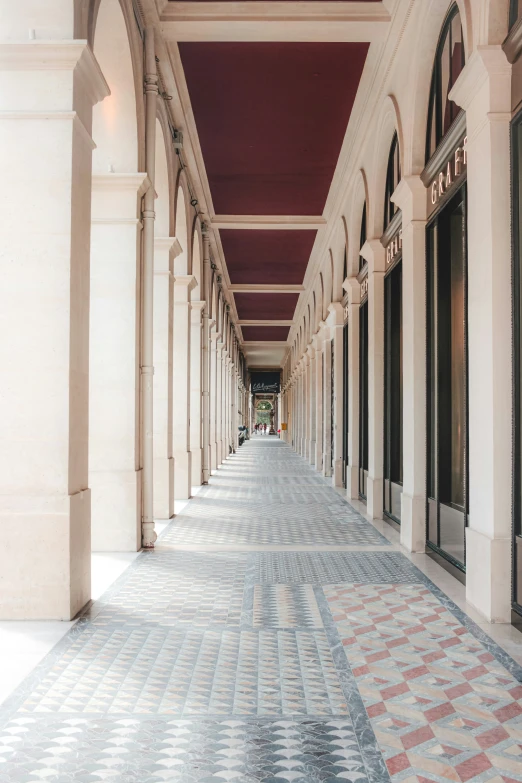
(393,175)
(515,11)
(447,379)
(449,62)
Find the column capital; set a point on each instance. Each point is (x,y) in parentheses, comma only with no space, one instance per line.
(373,252)
(336,315)
(114,196)
(488,62)
(196,310)
(410,197)
(353,288)
(311,350)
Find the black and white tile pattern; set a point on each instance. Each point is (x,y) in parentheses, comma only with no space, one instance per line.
(207,666)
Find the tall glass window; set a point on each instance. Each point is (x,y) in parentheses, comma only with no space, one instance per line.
(363,399)
(515,11)
(393,176)
(362,238)
(449,62)
(447,380)
(393,392)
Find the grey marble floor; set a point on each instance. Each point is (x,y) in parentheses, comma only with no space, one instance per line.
(274,634)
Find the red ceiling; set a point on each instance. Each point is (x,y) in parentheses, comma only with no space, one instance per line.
(264,334)
(275,257)
(271,118)
(266,307)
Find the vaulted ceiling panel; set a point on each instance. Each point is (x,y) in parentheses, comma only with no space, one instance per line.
(266,307)
(271,119)
(265,333)
(270,257)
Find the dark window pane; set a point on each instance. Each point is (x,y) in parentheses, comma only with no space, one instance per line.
(363,397)
(362,238)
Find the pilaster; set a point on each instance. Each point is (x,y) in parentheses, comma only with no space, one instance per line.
(166,249)
(484,90)
(374,253)
(311,407)
(410,197)
(45,135)
(336,320)
(183,285)
(352,286)
(196,430)
(318,345)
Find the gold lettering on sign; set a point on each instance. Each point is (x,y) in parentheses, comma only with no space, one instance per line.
(394,248)
(364,287)
(454,168)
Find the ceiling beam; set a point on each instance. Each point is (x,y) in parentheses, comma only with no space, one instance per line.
(265,323)
(260,288)
(264,222)
(274,21)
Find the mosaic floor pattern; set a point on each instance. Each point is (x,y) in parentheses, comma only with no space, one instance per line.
(269,666)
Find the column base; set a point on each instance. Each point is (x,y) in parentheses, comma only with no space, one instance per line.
(374,497)
(312,451)
(183,475)
(116,510)
(318,457)
(413,523)
(488,575)
(163,488)
(352,482)
(338,473)
(327,466)
(46,562)
(197,462)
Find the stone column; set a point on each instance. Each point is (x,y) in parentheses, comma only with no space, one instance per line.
(183,285)
(484,91)
(214,336)
(352,472)
(165,251)
(224,404)
(114,470)
(306,407)
(327,405)
(374,253)
(196,449)
(311,408)
(318,345)
(410,196)
(337,318)
(205,360)
(219,401)
(45,136)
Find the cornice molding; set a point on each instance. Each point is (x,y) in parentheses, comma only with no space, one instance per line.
(114,182)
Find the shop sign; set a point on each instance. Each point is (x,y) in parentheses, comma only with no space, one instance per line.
(364,288)
(451,172)
(394,248)
(346,311)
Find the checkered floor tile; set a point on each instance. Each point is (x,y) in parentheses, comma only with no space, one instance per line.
(268,667)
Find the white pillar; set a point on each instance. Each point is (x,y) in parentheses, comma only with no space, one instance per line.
(410,196)
(352,472)
(165,251)
(374,252)
(337,318)
(114,471)
(484,91)
(311,408)
(45,137)
(214,336)
(183,285)
(219,401)
(327,405)
(318,345)
(196,450)
(306,406)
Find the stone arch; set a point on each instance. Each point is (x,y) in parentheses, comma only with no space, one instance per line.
(118,120)
(388,123)
(429,26)
(162,204)
(181,223)
(359,197)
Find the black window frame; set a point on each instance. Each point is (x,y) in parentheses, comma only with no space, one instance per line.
(363,235)
(515,12)
(516,260)
(393,177)
(435,99)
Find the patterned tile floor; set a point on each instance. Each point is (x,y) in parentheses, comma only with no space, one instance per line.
(272,666)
